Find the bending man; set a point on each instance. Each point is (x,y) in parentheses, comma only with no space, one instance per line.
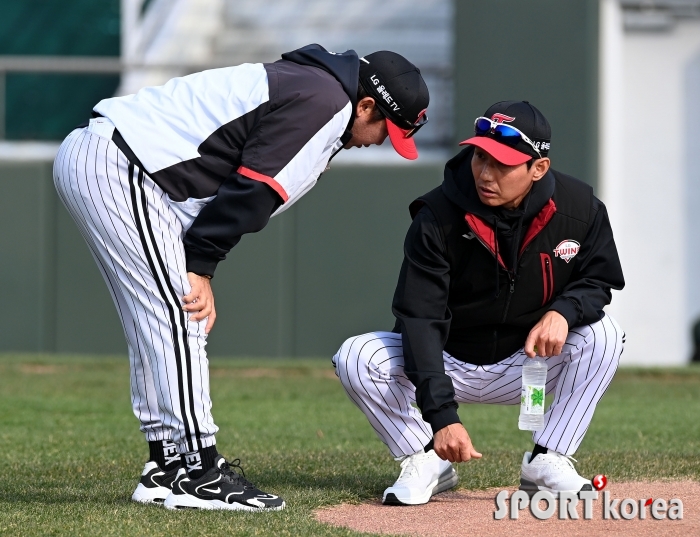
(163,183)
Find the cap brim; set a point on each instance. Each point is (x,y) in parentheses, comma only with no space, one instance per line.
(501,152)
(406,147)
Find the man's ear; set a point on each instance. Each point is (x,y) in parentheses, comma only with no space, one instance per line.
(540,167)
(365,107)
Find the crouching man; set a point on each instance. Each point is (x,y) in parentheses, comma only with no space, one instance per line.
(506,260)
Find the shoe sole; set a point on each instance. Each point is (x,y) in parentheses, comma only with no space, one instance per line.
(533,488)
(155,495)
(187,501)
(446,481)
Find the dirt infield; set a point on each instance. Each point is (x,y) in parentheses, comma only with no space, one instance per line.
(461,513)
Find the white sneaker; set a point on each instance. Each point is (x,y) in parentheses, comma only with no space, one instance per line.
(422,475)
(552,472)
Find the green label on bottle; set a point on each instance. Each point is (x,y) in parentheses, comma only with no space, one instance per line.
(532,400)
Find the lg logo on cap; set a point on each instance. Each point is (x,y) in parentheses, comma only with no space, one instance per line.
(381,89)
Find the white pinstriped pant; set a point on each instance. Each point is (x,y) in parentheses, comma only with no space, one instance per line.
(136,241)
(371,369)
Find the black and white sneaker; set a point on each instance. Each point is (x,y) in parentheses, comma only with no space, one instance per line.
(220,488)
(155,484)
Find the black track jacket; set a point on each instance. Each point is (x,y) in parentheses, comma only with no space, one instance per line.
(460,290)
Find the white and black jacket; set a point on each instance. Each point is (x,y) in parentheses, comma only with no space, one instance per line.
(232,147)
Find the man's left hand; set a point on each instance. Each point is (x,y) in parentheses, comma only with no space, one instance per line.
(547,336)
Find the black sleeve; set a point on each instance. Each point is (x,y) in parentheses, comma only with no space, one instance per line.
(241,206)
(420,307)
(597,271)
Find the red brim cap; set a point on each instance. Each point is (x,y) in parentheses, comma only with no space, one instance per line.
(406,147)
(501,152)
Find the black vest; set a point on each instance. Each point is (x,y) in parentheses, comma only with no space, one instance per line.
(490,324)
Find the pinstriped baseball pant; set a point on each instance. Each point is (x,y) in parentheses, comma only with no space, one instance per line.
(136,241)
(371,369)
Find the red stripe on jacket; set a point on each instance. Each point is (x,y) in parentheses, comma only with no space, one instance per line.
(483,230)
(269,181)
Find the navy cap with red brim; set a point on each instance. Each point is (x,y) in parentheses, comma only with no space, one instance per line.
(406,147)
(501,152)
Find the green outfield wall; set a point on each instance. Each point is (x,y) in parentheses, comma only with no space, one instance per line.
(542,51)
(45,106)
(317,274)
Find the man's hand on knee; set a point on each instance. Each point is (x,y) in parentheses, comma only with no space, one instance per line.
(548,336)
(200,301)
(452,443)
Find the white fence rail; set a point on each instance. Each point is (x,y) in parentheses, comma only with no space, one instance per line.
(78,65)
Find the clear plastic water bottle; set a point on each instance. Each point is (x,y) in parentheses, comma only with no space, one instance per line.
(532,394)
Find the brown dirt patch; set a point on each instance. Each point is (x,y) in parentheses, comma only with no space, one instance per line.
(38,369)
(467,513)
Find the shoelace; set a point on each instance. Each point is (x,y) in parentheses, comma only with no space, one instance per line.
(233,477)
(564,460)
(409,466)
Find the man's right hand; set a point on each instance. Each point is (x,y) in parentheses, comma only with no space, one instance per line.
(452,443)
(199,302)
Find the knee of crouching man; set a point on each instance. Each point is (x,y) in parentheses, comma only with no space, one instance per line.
(607,343)
(348,358)
(353,360)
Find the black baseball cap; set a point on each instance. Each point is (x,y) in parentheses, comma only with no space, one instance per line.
(401,94)
(525,118)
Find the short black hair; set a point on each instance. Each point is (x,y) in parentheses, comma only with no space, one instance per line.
(377,115)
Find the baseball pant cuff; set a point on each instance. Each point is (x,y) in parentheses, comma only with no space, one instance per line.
(157,435)
(204,442)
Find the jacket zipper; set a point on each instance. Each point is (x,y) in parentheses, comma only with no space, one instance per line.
(511,280)
(511,277)
(547,278)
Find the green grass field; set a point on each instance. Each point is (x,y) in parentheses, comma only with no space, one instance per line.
(72,452)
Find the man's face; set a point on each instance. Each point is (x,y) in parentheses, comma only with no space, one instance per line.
(367,130)
(500,185)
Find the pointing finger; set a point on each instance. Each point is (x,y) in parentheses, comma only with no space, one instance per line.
(530,344)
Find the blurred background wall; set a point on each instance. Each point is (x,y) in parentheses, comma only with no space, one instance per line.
(44,106)
(619,81)
(649,168)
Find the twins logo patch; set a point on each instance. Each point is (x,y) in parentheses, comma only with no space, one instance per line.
(567,249)
(502,118)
